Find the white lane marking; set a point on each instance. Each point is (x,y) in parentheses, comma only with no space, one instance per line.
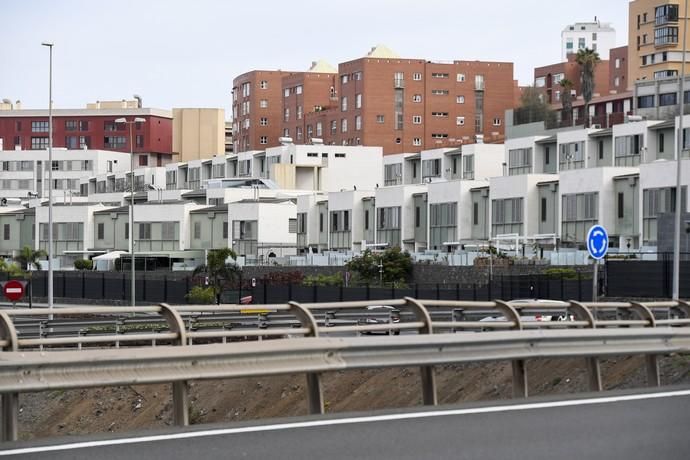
(343,421)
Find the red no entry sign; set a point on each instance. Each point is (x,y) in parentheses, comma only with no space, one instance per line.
(13,290)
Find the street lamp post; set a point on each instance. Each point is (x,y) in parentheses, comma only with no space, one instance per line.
(131,199)
(681,145)
(50,178)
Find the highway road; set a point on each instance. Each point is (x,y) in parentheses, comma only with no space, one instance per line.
(630,426)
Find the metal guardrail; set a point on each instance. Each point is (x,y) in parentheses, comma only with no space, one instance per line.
(590,330)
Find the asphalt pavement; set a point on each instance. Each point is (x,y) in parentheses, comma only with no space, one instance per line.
(630,426)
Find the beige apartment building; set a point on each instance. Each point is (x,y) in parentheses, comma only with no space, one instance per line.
(198,133)
(655,45)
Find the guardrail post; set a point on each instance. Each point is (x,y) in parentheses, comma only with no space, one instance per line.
(592,363)
(180,389)
(10,401)
(314,384)
(428,377)
(520,384)
(651,361)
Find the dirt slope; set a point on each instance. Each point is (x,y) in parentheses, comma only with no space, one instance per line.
(137,408)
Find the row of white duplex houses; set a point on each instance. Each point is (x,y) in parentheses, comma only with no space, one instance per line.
(542,186)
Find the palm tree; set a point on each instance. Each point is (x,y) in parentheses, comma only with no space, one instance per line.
(588,60)
(566,100)
(218,272)
(28,259)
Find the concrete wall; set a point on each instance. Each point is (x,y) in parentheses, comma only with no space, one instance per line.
(198,133)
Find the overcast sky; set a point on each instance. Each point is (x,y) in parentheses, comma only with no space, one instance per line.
(177,53)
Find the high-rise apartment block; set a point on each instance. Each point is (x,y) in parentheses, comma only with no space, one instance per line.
(655,44)
(597,36)
(402,105)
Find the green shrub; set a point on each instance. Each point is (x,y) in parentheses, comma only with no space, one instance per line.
(323,280)
(83,264)
(201,295)
(566,273)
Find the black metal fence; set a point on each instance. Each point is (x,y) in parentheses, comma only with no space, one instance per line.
(647,278)
(115,286)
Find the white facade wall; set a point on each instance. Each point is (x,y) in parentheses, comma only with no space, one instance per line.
(400,196)
(605,38)
(65,214)
(457,191)
(351,201)
(525,186)
(488,159)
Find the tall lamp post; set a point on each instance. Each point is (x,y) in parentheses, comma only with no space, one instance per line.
(50,178)
(681,145)
(131,198)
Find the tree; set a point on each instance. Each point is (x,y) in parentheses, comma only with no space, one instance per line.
(28,259)
(532,108)
(218,272)
(395,266)
(566,100)
(588,60)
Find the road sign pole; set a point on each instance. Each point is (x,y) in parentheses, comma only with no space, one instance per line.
(595,282)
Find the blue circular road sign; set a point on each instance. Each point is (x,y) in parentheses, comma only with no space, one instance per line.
(597,242)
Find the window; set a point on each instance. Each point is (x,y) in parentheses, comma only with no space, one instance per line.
(286,114)
(145,231)
(321,222)
(460,121)
(197,230)
(572,156)
(497,122)
(621,207)
(665,36)
(334,126)
(143,160)
(398,140)
(343,104)
(139,140)
(645,102)
(660,143)
(319,129)
(665,14)
(439,92)
(600,149)
(6,232)
(246,89)
(39,126)
(439,135)
(460,77)
(460,99)
(263,84)
(71,142)
(627,150)
(263,103)
(298,89)
(417,141)
(358,122)
(417,216)
(581,43)
(114,142)
(366,219)
(357,76)
(286,92)
(263,121)
(343,125)
(344,79)
(569,45)
(39,143)
(475,213)
(358,101)
(439,75)
(263,140)
(540,82)
(416,98)
(100,231)
(299,112)
(417,76)
(417,119)
(380,118)
(667,99)
(543,209)
(519,161)
(71,125)
(439,114)
(126,230)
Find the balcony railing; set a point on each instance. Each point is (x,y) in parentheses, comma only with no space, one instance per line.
(398,83)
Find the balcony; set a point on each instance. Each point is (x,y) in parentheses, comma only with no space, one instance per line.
(398,83)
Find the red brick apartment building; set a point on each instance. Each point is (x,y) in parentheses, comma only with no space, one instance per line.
(91,128)
(610,76)
(403,105)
